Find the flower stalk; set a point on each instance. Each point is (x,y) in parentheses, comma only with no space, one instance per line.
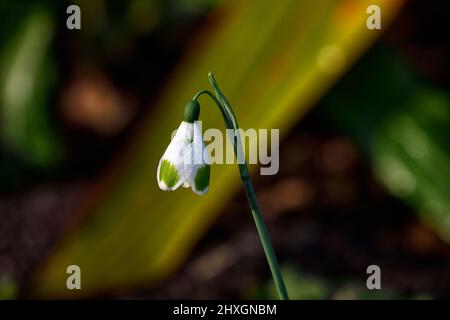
(231,123)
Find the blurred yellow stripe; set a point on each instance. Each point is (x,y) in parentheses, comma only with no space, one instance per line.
(273,61)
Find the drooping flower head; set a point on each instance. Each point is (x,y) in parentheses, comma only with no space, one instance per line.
(185,161)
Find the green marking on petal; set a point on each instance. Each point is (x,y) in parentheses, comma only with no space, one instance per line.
(201,179)
(168,174)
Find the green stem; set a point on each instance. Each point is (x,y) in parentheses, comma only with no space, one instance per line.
(222,110)
(231,123)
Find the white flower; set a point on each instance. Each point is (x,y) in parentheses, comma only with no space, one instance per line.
(185,161)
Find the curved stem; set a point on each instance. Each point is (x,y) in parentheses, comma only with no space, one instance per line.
(231,123)
(222,110)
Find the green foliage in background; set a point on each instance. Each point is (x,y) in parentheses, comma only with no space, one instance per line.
(403,124)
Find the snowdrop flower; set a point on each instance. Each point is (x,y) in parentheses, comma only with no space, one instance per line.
(185,161)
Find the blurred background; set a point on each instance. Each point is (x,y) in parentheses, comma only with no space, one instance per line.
(364,158)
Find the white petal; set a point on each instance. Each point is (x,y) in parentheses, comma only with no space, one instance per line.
(175,155)
(200,153)
(201,158)
(184,132)
(162,183)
